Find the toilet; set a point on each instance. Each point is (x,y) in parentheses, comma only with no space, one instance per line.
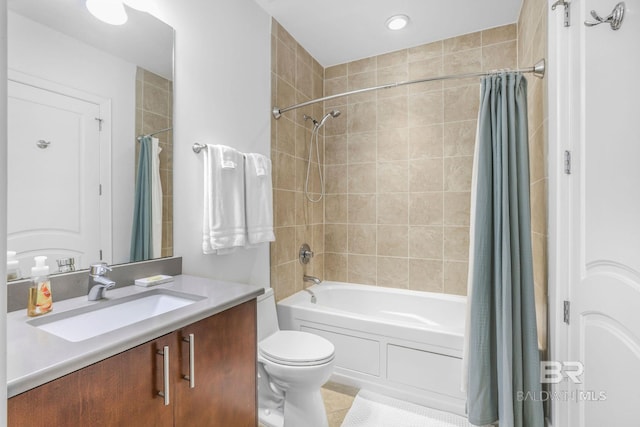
(292,366)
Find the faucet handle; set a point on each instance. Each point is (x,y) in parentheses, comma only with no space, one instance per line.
(305,254)
(99,268)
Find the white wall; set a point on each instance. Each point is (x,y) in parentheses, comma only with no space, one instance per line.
(3,208)
(44,53)
(221,95)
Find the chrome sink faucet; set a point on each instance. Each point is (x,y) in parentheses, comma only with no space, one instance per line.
(97,282)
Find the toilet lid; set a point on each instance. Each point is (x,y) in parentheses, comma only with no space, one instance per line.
(296,348)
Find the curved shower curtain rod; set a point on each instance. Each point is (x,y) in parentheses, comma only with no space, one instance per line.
(538,71)
(139,138)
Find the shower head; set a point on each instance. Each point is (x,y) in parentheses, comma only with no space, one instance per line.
(332,113)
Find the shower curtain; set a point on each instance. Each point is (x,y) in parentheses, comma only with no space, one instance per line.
(156,199)
(145,223)
(501,349)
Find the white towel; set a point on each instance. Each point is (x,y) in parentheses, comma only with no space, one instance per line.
(223,224)
(258,199)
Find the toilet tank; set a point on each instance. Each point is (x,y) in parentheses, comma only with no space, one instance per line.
(267,316)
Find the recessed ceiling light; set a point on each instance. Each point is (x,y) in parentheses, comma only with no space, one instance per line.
(141,5)
(109,11)
(397,22)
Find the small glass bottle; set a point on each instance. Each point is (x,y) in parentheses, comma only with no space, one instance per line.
(40,300)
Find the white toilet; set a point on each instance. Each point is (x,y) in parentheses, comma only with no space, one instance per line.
(292,366)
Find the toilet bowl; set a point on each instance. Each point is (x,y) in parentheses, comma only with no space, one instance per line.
(292,366)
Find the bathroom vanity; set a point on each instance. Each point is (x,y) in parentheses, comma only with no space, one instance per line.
(192,366)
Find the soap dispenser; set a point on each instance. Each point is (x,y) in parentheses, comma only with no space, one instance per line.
(13,266)
(40,301)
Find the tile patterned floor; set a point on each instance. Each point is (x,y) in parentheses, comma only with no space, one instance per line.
(337,401)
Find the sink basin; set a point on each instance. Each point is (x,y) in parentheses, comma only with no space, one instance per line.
(106,316)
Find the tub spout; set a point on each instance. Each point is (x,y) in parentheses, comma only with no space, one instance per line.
(313,279)
(313,296)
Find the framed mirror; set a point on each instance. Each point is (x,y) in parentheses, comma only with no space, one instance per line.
(81,94)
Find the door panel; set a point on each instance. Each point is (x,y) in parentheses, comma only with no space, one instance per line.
(622,397)
(53,192)
(605,218)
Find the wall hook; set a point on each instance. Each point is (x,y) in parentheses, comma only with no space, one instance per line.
(567,10)
(614,19)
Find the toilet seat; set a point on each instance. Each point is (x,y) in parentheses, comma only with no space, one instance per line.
(296,348)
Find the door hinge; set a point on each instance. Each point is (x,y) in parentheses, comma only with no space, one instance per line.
(567,162)
(567,10)
(99,189)
(567,307)
(99,120)
(100,254)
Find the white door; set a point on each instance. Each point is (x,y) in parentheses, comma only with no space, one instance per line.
(604,216)
(53,200)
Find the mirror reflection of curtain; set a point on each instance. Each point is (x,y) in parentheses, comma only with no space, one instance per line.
(156,199)
(146,233)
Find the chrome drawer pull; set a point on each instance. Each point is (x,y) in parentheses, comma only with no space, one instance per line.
(192,370)
(165,358)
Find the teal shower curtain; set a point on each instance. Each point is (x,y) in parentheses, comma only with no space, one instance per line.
(503,359)
(141,233)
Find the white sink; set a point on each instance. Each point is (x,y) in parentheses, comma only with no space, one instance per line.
(106,316)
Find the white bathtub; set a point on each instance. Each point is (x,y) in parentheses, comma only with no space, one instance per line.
(405,344)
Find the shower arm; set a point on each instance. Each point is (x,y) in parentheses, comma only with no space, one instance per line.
(537,70)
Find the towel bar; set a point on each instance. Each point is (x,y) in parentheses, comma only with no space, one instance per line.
(196,147)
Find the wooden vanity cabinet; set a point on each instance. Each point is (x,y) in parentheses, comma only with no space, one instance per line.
(117,391)
(225,371)
(123,389)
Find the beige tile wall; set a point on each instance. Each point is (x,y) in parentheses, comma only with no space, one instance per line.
(532,46)
(154,111)
(295,77)
(398,163)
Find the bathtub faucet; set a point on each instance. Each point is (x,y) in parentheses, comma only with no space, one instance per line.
(313,279)
(313,296)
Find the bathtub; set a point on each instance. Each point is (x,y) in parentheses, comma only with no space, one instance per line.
(404,344)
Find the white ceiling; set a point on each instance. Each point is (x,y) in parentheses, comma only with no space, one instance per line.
(339,31)
(143,40)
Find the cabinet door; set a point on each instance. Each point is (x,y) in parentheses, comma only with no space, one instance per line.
(118,391)
(225,371)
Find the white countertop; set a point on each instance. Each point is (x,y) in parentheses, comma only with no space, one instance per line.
(35,357)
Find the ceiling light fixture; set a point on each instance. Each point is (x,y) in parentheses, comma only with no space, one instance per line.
(397,22)
(109,11)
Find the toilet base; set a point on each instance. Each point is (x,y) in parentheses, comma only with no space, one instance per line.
(270,417)
(304,408)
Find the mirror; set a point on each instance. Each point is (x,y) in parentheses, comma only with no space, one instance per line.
(80,93)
